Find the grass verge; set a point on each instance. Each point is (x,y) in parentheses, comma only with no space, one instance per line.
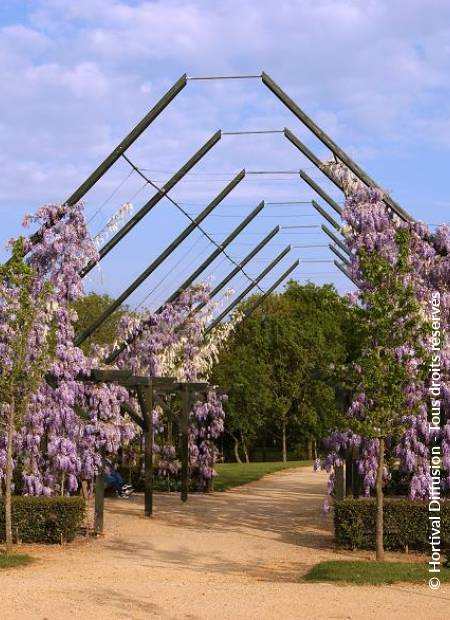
(372,572)
(15,559)
(231,475)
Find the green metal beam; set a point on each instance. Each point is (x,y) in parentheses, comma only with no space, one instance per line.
(345,272)
(276,284)
(333,204)
(213,256)
(159,260)
(113,356)
(153,201)
(121,148)
(337,241)
(339,255)
(324,214)
(328,142)
(127,141)
(240,266)
(312,158)
(247,290)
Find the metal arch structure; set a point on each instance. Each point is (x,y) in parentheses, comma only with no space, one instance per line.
(137,383)
(161,105)
(147,120)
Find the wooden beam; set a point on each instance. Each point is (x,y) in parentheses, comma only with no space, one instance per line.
(145,397)
(184,427)
(99,499)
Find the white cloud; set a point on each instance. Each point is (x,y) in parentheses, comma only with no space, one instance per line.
(79,74)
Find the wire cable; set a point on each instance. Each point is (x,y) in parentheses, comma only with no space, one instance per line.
(186,214)
(113,193)
(223,77)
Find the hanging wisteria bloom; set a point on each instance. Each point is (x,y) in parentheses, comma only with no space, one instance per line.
(69,424)
(371,226)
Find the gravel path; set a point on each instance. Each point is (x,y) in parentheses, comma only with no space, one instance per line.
(229,556)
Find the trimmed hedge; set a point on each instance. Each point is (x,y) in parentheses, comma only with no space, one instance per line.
(406,524)
(44,519)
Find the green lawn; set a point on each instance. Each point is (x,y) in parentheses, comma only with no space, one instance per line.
(15,559)
(372,572)
(234,474)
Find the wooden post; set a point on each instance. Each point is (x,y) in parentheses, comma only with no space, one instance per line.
(184,426)
(148,452)
(339,482)
(145,398)
(99,500)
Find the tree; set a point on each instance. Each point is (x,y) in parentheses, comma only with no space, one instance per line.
(88,308)
(393,356)
(244,376)
(279,367)
(27,344)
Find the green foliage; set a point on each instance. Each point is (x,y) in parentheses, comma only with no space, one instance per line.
(44,519)
(364,572)
(231,475)
(90,307)
(280,365)
(20,380)
(390,317)
(17,559)
(406,524)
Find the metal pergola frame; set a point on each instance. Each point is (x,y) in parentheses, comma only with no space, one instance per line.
(146,388)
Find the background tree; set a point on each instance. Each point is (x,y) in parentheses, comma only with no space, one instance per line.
(88,308)
(279,367)
(244,376)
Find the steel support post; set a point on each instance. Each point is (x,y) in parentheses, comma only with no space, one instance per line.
(322,193)
(214,255)
(150,204)
(345,272)
(339,485)
(184,428)
(122,147)
(338,254)
(113,356)
(159,260)
(328,142)
(99,508)
(324,214)
(240,266)
(259,301)
(245,292)
(127,141)
(145,397)
(337,241)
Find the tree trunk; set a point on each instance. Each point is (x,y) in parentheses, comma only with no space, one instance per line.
(379,494)
(315,449)
(284,444)
(309,448)
(8,481)
(236,449)
(244,448)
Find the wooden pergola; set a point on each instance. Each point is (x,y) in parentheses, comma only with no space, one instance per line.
(151,392)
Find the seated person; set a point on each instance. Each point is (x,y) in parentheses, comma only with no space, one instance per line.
(114,480)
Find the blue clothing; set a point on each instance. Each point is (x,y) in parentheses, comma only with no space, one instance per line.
(114,480)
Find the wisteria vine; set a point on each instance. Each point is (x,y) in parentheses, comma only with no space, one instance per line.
(370,226)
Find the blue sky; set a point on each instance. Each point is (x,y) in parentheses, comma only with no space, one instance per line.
(77,76)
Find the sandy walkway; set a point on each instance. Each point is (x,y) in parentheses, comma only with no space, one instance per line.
(235,555)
